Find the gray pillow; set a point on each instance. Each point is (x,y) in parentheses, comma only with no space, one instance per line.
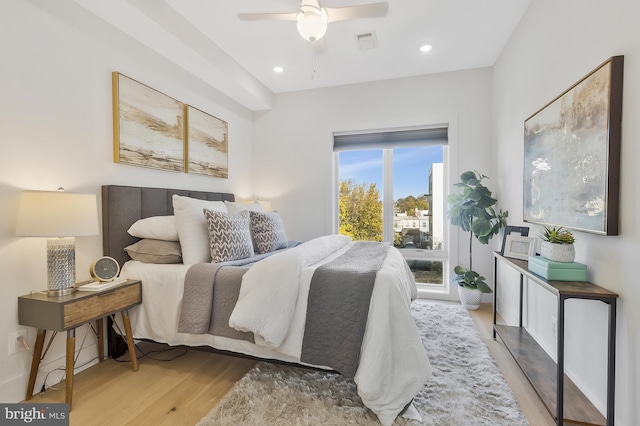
(229,235)
(268,231)
(155,251)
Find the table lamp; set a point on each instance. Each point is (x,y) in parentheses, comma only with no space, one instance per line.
(266,205)
(60,217)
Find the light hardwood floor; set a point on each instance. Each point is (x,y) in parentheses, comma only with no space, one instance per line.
(183,390)
(530,404)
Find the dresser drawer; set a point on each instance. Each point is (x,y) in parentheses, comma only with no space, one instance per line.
(102,304)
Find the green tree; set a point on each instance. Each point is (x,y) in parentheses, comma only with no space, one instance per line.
(360,211)
(410,203)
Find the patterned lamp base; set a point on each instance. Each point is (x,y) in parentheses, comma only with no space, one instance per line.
(61,266)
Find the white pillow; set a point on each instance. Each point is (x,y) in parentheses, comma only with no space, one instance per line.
(238,207)
(156,228)
(192,227)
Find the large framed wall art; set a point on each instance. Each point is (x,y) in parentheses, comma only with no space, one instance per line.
(206,144)
(148,126)
(572,154)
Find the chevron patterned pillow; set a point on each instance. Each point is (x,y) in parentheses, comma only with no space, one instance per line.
(268,231)
(229,235)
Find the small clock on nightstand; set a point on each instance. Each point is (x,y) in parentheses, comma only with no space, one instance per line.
(104,269)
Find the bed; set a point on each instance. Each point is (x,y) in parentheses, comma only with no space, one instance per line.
(392,365)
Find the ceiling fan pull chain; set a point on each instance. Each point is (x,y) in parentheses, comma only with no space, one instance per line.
(313,65)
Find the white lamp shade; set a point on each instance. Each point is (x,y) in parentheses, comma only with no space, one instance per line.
(266,205)
(57,214)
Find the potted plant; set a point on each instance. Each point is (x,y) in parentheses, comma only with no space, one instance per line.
(472,210)
(557,244)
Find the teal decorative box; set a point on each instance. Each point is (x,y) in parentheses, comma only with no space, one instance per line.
(558,271)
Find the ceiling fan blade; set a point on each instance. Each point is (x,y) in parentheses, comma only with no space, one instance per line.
(268,16)
(373,10)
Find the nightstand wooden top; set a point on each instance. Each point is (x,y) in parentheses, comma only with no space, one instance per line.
(42,295)
(67,312)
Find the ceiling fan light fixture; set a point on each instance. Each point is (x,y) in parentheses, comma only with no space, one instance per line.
(312,23)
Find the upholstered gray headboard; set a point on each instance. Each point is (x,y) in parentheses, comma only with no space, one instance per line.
(123,205)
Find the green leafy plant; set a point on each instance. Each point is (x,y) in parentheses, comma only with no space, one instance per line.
(557,235)
(472,210)
(471,280)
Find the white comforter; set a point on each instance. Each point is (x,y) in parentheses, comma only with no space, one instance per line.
(393,363)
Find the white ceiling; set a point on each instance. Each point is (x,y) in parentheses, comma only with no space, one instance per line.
(206,38)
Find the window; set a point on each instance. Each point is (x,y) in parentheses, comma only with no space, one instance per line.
(391,188)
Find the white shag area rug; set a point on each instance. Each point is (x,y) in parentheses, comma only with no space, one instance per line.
(466,389)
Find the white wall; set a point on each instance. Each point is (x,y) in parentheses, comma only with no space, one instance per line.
(56,130)
(294,145)
(555,45)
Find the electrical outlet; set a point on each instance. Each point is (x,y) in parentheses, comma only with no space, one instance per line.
(17,342)
(554,326)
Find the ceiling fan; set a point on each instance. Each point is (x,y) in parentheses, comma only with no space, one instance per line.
(313,19)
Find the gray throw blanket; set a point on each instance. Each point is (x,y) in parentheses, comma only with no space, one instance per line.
(338,306)
(210,293)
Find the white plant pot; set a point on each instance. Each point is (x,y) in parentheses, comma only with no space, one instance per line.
(564,253)
(470,299)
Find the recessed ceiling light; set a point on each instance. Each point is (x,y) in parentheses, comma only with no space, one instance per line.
(278,69)
(425,48)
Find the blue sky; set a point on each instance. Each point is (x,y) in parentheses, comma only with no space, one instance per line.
(410,168)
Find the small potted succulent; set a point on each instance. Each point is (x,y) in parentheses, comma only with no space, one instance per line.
(557,244)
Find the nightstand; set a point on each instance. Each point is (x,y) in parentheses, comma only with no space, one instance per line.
(66,313)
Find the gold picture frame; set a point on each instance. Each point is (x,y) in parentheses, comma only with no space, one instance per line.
(206,144)
(148,126)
